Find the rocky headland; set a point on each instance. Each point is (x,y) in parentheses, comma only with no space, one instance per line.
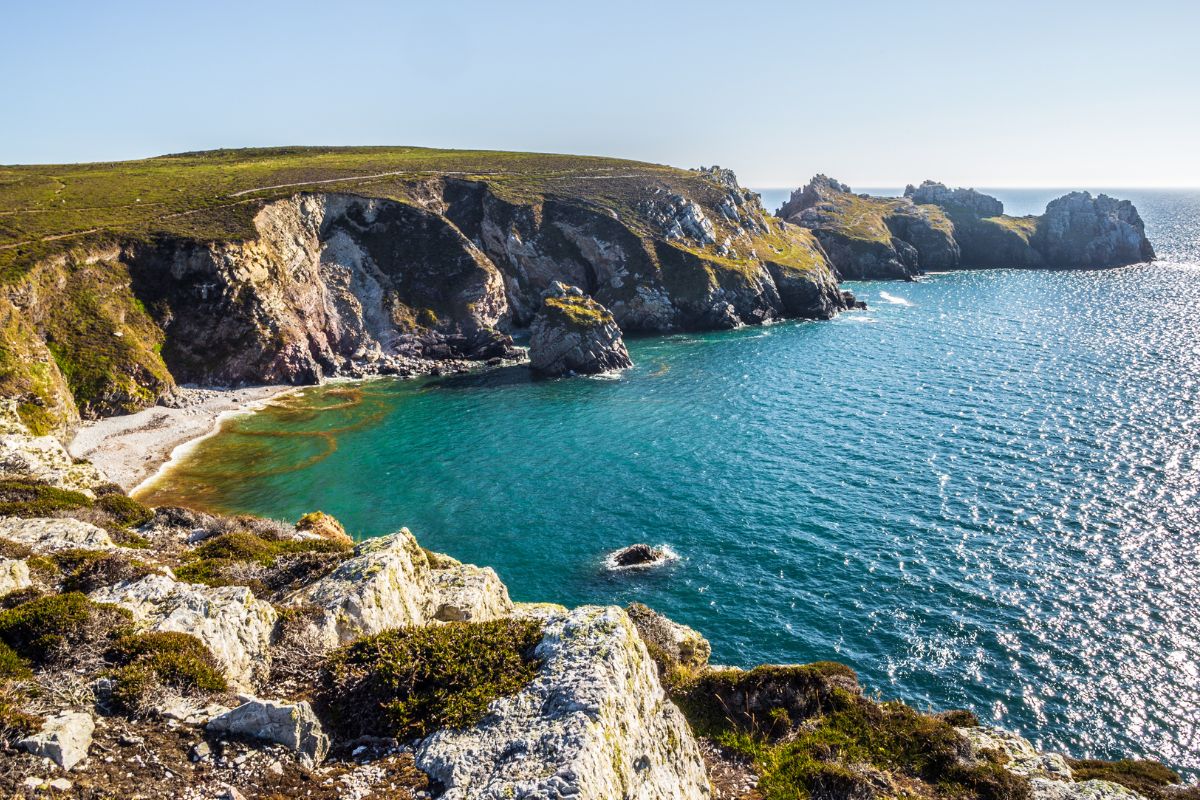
(934,228)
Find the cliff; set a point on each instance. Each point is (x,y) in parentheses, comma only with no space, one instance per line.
(933,227)
(120,281)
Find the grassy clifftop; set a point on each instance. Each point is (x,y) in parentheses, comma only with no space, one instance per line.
(213,195)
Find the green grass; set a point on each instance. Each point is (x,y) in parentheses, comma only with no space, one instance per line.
(31,499)
(1025,227)
(1147,778)
(214,195)
(409,682)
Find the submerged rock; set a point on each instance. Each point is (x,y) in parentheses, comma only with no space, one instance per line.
(573,334)
(64,739)
(234,624)
(594,722)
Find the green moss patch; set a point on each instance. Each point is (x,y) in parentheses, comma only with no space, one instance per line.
(264,564)
(48,628)
(149,662)
(577,312)
(32,499)
(811,734)
(1147,778)
(12,665)
(410,682)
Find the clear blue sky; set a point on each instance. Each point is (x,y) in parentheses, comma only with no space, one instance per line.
(874,93)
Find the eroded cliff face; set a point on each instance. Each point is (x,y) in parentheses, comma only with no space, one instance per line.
(346,285)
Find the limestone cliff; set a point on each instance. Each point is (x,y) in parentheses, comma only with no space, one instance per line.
(934,227)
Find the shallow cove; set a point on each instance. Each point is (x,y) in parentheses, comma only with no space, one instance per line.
(981,493)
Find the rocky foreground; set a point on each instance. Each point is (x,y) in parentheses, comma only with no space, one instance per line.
(150,653)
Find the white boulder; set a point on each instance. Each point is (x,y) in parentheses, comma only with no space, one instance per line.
(594,722)
(64,739)
(14,575)
(234,624)
(465,592)
(293,725)
(51,534)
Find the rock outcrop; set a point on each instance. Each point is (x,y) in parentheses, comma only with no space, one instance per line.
(677,643)
(872,237)
(53,534)
(14,575)
(934,227)
(293,725)
(390,582)
(64,739)
(594,723)
(234,624)
(575,335)
(1079,230)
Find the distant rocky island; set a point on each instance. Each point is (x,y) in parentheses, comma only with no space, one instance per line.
(165,652)
(933,227)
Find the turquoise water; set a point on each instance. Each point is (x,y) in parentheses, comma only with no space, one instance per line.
(982,492)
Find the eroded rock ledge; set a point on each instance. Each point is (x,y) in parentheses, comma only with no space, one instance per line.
(933,227)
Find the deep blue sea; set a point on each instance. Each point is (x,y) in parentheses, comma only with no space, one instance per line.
(982,492)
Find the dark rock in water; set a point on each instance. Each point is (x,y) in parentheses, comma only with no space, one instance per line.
(1079,230)
(573,334)
(637,555)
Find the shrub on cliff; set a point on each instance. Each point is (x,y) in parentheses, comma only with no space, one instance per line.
(49,628)
(125,510)
(412,681)
(88,570)
(264,564)
(1147,778)
(33,499)
(147,663)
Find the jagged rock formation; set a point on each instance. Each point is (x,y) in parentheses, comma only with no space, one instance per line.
(430,271)
(594,723)
(934,227)
(573,334)
(868,237)
(50,535)
(293,725)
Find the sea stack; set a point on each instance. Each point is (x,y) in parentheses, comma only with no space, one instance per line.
(573,334)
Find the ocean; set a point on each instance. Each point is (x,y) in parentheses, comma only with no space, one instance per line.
(983,492)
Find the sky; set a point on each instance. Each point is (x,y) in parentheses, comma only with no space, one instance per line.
(1064,94)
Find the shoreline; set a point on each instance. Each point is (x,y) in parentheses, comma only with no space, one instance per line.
(134,449)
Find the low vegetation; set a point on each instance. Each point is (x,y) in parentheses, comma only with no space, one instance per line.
(22,498)
(409,682)
(55,627)
(577,312)
(148,663)
(267,565)
(1148,778)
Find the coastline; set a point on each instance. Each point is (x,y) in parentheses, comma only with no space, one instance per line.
(133,449)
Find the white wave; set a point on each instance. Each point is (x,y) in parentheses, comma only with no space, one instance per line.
(668,552)
(893,299)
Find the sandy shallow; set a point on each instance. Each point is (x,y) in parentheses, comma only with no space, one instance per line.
(132,448)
